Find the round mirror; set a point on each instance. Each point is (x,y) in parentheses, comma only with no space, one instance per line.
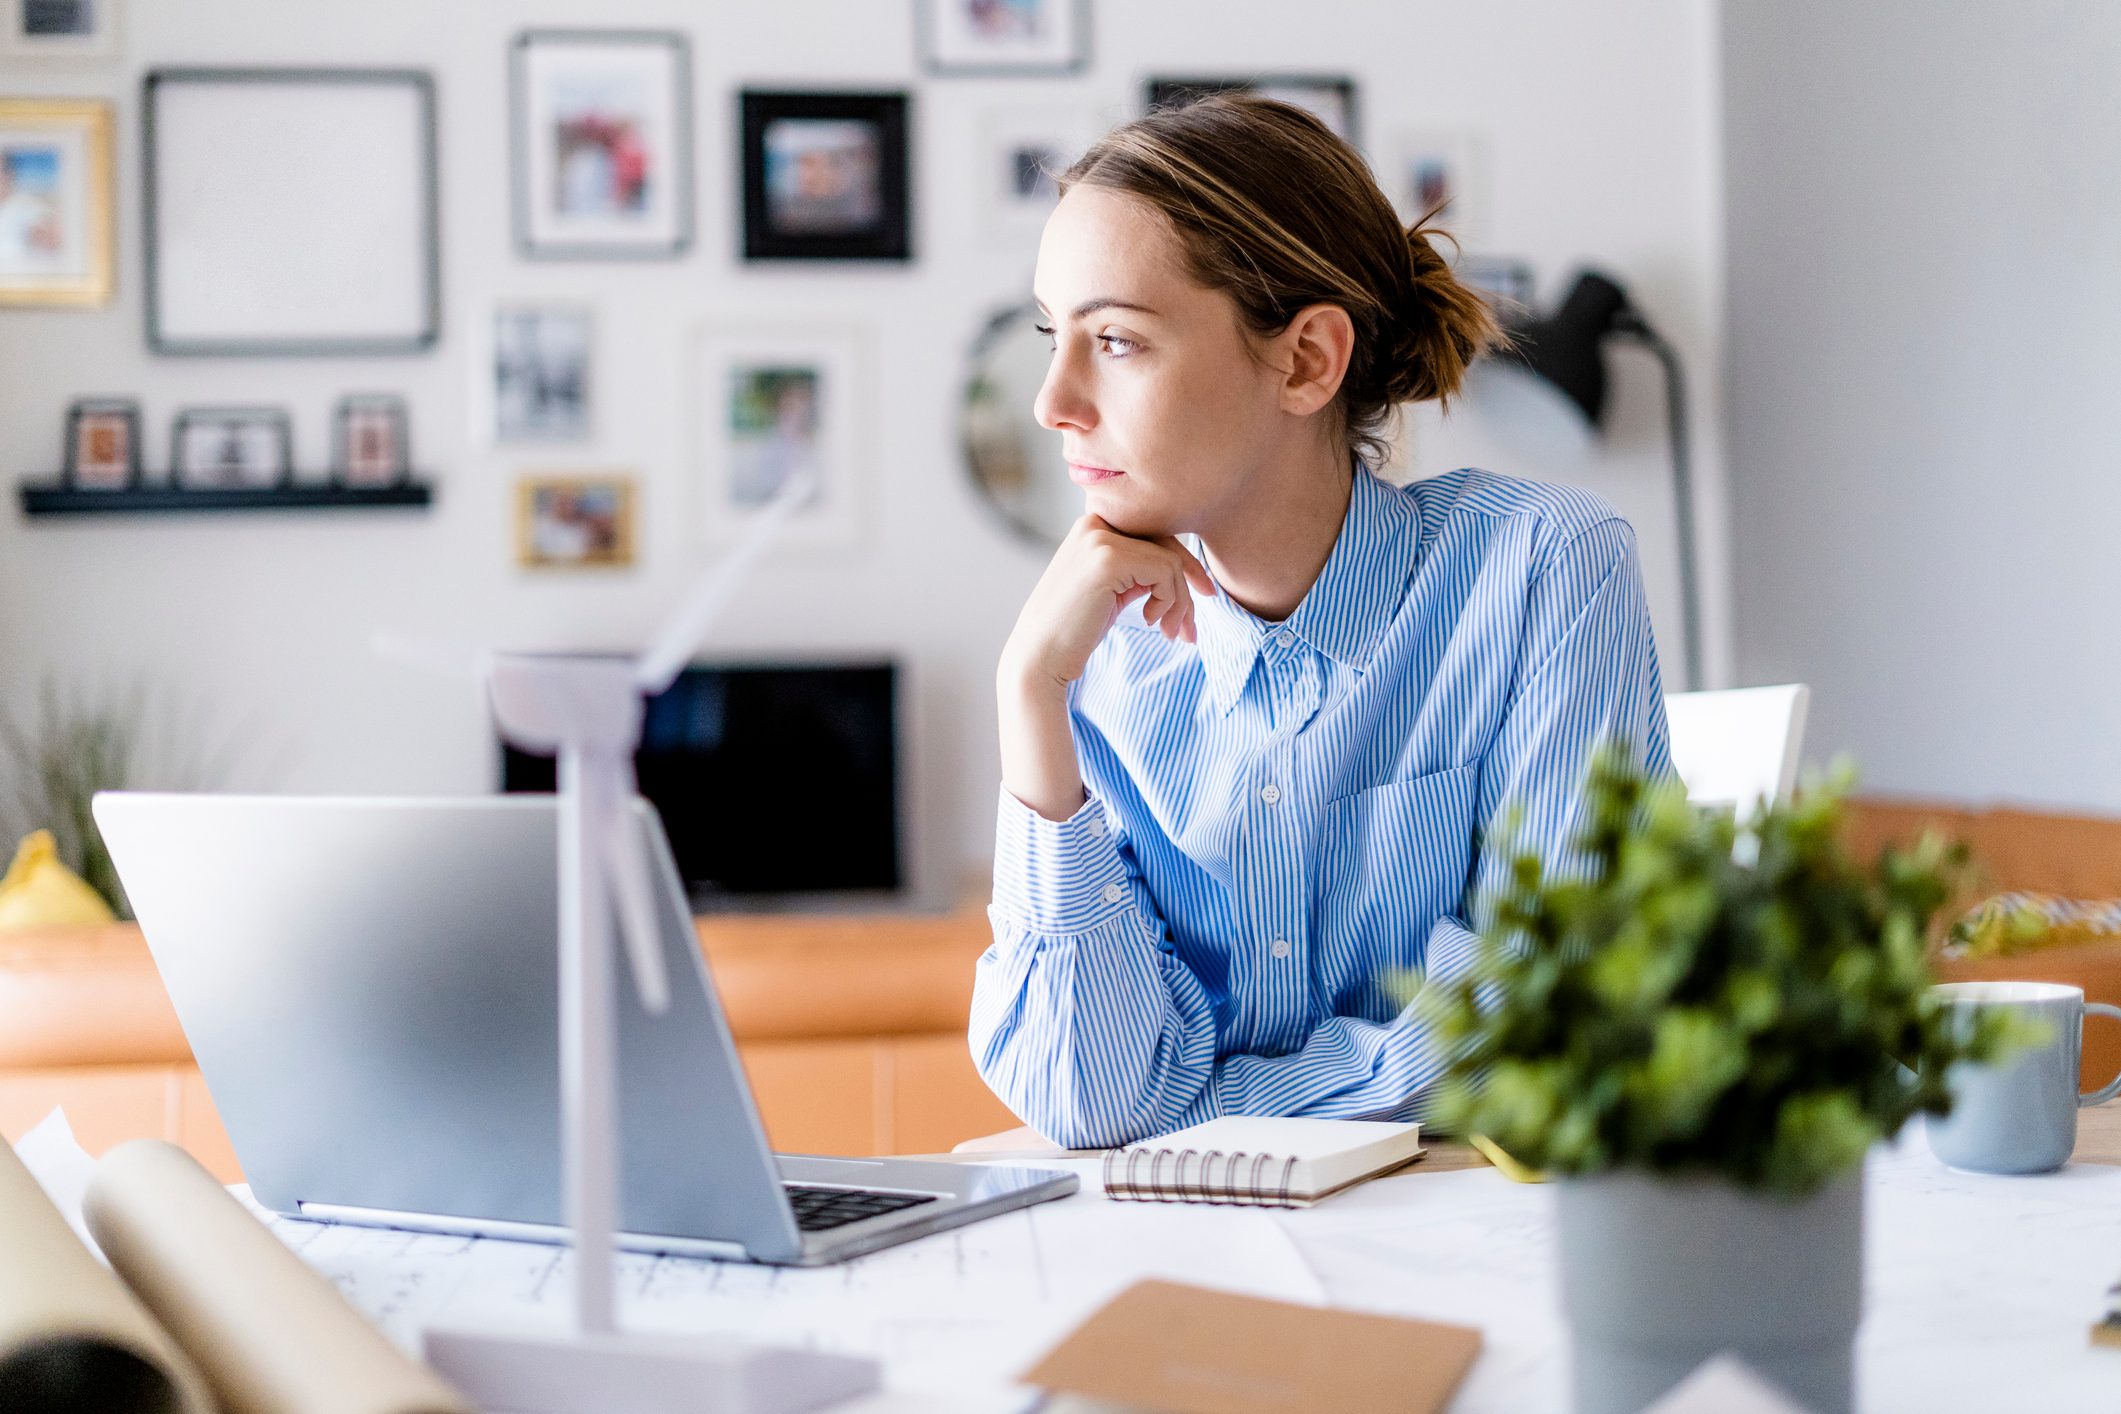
(1015,462)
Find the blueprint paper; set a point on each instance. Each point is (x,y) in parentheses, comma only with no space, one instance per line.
(972,1305)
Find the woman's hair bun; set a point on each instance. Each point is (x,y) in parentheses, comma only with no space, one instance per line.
(1436,327)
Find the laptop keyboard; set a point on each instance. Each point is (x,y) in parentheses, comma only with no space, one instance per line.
(819,1208)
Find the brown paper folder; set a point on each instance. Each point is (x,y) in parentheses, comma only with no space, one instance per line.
(71,1336)
(271,1335)
(1187,1350)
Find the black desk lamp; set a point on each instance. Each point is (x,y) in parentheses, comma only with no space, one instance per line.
(1567,350)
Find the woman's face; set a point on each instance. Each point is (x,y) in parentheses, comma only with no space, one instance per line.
(1165,413)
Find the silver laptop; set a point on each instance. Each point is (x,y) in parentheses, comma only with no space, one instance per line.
(370,989)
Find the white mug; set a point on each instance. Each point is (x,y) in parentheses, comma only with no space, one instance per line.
(2019,1115)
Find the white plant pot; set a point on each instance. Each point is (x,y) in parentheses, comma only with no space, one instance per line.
(1659,1274)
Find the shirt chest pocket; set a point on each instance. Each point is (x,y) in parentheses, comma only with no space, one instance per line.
(1394,857)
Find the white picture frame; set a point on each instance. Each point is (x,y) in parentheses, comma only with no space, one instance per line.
(602,144)
(1447,164)
(59,29)
(291,211)
(1013,145)
(1001,37)
(540,372)
(772,399)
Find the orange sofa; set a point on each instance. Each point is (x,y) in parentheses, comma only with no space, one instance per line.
(2073,856)
(852,1030)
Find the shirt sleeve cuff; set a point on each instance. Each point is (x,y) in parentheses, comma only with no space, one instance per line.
(1057,876)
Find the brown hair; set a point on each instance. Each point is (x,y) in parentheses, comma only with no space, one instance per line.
(1277,211)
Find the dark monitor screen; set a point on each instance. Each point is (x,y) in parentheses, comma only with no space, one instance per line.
(769,778)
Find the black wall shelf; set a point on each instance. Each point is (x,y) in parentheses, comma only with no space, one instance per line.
(67,501)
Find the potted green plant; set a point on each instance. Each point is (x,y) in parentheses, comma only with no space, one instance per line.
(79,742)
(52,767)
(1699,1033)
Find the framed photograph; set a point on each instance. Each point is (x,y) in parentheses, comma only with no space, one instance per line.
(1444,174)
(541,372)
(102,444)
(231,449)
(825,176)
(58,29)
(1506,281)
(1022,153)
(291,211)
(574,522)
(777,403)
(603,143)
(1330,98)
(1003,36)
(371,442)
(55,202)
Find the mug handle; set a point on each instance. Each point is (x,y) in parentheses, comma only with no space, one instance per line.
(2113,1087)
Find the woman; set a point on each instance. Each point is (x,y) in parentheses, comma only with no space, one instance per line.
(1230,816)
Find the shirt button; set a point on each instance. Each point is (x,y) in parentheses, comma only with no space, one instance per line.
(1285,639)
(1279,947)
(1096,827)
(1270,794)
(1114,893)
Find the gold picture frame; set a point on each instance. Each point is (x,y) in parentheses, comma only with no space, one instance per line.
(55,202)
(575,521)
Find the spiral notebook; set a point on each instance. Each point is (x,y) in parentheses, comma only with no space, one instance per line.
(1259,1162)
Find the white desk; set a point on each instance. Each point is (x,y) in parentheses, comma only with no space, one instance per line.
(1980,1290)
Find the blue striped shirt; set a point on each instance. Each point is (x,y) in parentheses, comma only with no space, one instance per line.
(1282,816)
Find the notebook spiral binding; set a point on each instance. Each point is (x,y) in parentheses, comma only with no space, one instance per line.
(1124,1181)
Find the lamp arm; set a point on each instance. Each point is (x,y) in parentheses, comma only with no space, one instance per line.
(1630,324)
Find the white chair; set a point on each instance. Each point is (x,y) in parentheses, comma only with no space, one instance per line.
(1736,746)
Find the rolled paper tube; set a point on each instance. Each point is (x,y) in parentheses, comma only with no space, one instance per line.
(71,1336)
(270,1335)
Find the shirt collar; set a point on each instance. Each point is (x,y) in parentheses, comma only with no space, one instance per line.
(1346,609)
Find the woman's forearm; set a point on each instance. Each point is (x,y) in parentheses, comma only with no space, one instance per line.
(1038,750)
(1095,573)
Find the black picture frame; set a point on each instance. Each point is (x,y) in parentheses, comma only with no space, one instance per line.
(1167,92)
(527,243)
(385,405)
(125,409)
(889,236)
(182,475)
(159,82)
(924,23)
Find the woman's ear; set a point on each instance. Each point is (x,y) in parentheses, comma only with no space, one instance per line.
(1315,348)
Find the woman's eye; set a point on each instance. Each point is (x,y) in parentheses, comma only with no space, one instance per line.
(1114,344)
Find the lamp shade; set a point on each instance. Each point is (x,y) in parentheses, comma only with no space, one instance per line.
(1564,348)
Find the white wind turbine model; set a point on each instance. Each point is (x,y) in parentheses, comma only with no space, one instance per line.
(588,710)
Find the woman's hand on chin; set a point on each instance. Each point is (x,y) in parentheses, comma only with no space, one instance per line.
(1097,572)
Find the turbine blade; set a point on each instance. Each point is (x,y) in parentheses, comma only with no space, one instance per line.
(679,638)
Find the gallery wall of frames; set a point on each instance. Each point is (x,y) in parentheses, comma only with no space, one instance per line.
(520,312)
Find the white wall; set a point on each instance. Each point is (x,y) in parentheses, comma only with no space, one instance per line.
(1925,294)
(1601,124)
